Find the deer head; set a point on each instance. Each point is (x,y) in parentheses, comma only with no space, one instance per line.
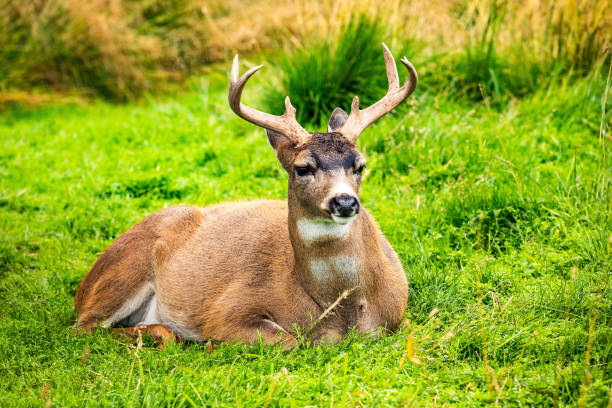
(325,169)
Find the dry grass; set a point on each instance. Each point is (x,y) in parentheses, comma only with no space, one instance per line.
(116,48)
(576,30)
(120,49)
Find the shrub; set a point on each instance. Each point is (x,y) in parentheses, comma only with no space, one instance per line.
(322,76)
(512,49)
(117,49)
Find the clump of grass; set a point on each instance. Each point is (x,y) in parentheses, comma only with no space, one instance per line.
(148,186)
(511,50)
(494,221)
(576,32)
(484,70)
(322,76)
(479,73)
(116,49)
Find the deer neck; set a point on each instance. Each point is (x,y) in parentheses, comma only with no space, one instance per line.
(328,256)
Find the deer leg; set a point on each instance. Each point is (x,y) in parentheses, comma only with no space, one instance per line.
(269,331)
(161,334)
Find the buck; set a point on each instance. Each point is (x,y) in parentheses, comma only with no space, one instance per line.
(316,264)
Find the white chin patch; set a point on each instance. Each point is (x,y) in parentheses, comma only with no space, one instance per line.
(343,220)
(320,229)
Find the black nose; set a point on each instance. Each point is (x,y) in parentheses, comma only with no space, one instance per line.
(344,205)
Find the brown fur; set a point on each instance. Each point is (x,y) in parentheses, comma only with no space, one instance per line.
(130,261)
(232,271)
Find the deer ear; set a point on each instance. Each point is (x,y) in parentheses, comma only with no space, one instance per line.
(337,119)
(283,147)
(276,139)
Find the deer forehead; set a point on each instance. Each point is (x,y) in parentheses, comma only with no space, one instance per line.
(328,151)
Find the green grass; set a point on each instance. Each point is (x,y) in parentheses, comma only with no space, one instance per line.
(501,218)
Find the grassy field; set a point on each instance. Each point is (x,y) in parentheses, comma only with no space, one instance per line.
(500,214)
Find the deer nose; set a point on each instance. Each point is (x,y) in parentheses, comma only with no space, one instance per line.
(344,205)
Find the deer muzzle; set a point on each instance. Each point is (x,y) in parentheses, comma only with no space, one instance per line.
(343,207)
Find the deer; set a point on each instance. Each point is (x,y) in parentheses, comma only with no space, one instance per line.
(315,265)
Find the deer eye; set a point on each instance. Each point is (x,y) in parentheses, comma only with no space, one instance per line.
(360,169)
(303,170)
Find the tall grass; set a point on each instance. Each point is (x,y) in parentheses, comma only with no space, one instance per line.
(322,76)
(122,48)
(114,48)
(505,50)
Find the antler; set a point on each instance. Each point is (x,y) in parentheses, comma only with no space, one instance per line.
(285,124)
(358,120)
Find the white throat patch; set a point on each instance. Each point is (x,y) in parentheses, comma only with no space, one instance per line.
(312,230)
(344,267)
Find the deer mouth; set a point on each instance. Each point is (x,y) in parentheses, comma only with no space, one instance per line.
(343,219)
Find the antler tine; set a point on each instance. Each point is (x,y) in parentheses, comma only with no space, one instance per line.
(413,78)
(285,124)
(358,119)
(392,75)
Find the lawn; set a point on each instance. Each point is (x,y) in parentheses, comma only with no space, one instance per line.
(500,214)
